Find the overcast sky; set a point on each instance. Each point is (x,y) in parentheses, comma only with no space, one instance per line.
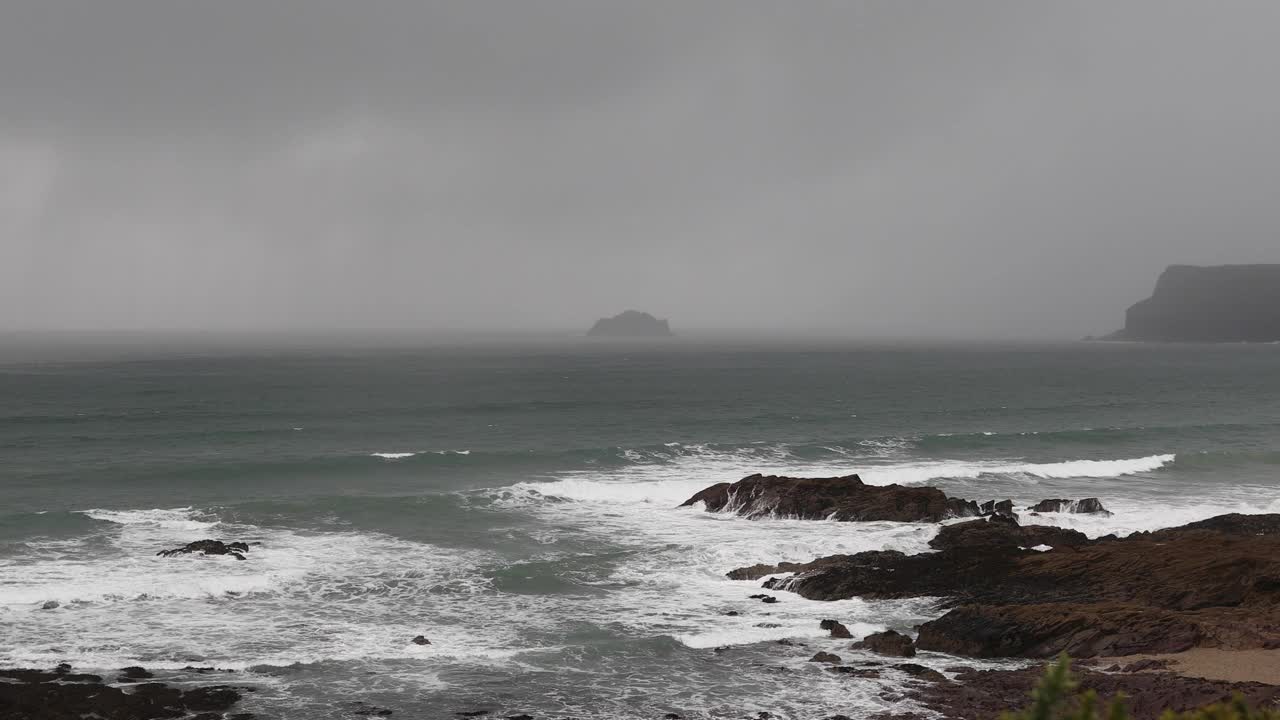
(898,167)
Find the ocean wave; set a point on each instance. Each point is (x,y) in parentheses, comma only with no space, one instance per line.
(919,473)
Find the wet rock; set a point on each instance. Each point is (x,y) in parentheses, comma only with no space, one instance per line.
(825,657)
(133,672)
(1058,505)
(672,716)
(1047,630)
(768,625)
(837,629)
(472,713)
(731,613)
(890,643)
(988,693)
(50,605)
(1213,583)
(63,695)
(769,599)
(209,547)
(860,672)
(420,640)
(921,672)
(521,716)
(996,532)
(839,498)
(1002,508)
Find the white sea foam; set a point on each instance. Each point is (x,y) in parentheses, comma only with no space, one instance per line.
(393,455)
(919,473)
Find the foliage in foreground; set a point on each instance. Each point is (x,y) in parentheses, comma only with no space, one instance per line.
(1056,698)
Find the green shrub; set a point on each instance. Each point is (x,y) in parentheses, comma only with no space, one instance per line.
(1056,698)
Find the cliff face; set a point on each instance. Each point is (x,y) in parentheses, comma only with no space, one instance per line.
(1226,303)
(631,324)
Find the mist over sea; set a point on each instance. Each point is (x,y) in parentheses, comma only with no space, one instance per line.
(516,503)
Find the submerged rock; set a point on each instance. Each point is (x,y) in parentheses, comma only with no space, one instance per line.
(825,657)
(836,498)
(209,547)
(421,640)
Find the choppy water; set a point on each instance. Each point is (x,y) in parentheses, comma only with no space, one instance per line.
(517,505)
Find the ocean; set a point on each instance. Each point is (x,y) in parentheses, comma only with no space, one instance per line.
(516,502)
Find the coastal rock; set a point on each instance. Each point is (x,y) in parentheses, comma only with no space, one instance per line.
(1057,505)
(889,643)
(1003,508)
(1224,303)
(1215,583)
(998,531)
(209,547)
(837,629)
(989,693)
(837,498)
(630,323)
(1048,630)
(920,671)
(825,657)
(61,695)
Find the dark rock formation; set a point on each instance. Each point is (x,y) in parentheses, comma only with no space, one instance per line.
(1003,508)
(988,693)
(889,642)
(630,324)
(209,547)
(837,629)
(1087,505)
(421,640)
(998,531)
(839,498)
(61,695)
(825,657)
(1226,303)
(1215,583)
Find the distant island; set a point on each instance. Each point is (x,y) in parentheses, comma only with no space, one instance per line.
(1224,303)
(631,323)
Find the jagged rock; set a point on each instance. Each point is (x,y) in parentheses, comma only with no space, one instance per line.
(1003,508)
(837,498)
(421,640)
(50,605)
(861,672)
(837,629)
(825,657)
(1058,505)
(209,547)
(890,643)
(631,323)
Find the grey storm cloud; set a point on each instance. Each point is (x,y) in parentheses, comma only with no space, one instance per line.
(908,168)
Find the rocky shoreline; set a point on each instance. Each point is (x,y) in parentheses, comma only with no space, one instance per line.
(1025,592)
(61,694)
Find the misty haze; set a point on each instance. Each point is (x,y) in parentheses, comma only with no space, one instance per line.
(639,360)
